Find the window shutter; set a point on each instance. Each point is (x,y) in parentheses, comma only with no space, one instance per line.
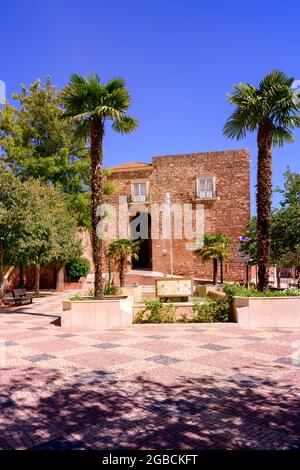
(201,187)
(209,187)
(205,187)
(143,189)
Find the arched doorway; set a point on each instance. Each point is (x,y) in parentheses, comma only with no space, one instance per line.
(140,229)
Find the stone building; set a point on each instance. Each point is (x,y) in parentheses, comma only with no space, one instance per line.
(216,182)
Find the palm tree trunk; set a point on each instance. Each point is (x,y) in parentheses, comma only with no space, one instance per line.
(221,270)
(263,201)
(2,280)
(122,274)
(215,271)
(97,132)
(37,280)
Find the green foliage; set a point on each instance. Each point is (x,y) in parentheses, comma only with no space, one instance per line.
(86,99)
(215,246)
(36,225)
(121,249)
(77,267)
(212,311)
(110,288)
(88,295)
(236,290)
(273,100)
(285,227)
(156,312)
(35,142)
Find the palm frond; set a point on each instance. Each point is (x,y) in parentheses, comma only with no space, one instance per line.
(115,84)
(125,124)
(273,101)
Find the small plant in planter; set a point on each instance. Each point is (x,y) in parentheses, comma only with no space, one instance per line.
(156,311)
(212,311)
(110,288)
(232,290)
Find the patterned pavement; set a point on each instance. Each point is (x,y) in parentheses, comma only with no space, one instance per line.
(184,386)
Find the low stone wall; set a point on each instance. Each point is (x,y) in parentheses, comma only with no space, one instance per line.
(112,313)
(278,312)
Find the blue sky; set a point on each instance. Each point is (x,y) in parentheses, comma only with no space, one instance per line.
(178,57)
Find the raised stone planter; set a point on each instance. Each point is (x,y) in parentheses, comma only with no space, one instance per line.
(107,313)
(277,312)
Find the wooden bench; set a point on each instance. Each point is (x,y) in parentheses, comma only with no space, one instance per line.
(20,296)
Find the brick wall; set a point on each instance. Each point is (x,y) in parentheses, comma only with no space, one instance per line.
(229,213)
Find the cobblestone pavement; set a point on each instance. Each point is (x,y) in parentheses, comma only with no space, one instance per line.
(184,386)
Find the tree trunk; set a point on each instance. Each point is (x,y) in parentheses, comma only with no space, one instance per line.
(122,274)
(60,279)
(215,272)
(221,270)
(97,132)
(2,280)
(278,276)
(263,201)
(21,277)
(37,280)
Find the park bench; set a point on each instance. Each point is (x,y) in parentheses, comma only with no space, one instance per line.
(19,297)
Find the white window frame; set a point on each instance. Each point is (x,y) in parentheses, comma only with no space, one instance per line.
(139,197)
(205,192)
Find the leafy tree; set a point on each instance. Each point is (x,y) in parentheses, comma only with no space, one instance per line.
(35,142)
(36,225)
(284,228)
(215,247)
(122,250)
(89,105)
(272,110)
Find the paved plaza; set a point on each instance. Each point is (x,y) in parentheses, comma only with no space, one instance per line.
(180,386)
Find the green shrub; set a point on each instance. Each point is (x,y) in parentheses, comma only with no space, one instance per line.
(110,288)
(212,311)
(240,291)
(78,267)
(156,312)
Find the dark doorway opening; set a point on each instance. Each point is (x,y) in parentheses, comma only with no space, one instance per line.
(141,230)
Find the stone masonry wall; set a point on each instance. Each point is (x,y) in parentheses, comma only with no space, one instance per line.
(229,213)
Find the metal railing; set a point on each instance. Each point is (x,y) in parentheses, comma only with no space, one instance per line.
(138,199)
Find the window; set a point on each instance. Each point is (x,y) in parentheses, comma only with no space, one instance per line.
(139,192)
(206,187)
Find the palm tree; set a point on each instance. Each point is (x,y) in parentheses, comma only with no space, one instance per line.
(271,109)
(215,247)
(223,250)
(122,250)
(90,104)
